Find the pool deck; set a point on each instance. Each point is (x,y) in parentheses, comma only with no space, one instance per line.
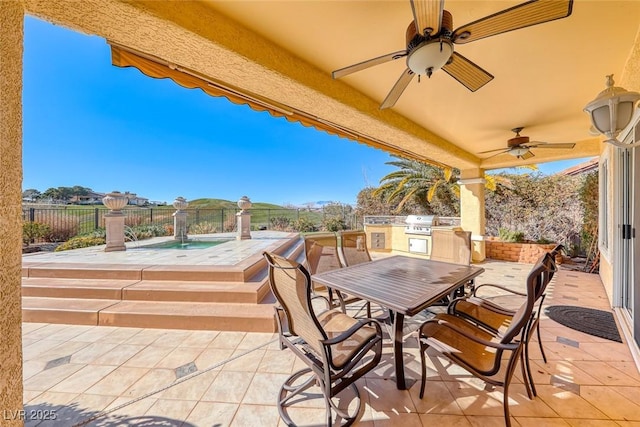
(227,254)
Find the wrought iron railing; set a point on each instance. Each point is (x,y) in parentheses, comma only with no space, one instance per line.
(71,220)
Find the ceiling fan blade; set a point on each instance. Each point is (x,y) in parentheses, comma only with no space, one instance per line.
(526,155)
(466,72)
(369,63)
(397,89)
(493,151)
(520,16)
(501,151)
(427,15)
(550,145)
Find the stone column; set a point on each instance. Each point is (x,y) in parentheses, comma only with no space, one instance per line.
(114,221)
(11,45)
(472,184)
(244,219)
(180,219)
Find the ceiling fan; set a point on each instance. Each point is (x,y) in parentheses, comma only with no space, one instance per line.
(520,147)
(430,38)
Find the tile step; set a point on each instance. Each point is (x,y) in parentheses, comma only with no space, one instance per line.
(226,298)
(147,314)
(148,290)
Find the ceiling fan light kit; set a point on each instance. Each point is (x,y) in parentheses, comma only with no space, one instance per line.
(519,151)
(430,56)
(520,147)
(430,40)
(612,111)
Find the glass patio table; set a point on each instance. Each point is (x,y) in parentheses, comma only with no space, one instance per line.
(405,285)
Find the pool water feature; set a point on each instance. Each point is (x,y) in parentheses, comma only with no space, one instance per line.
(189,244)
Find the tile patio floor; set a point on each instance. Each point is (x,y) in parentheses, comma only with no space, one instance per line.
(110,376)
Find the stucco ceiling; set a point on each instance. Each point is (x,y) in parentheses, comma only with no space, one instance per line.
(284,51)
(544,75)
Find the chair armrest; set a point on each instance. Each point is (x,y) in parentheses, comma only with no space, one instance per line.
(480,302)
(492,285)
(352,330)
(455,329)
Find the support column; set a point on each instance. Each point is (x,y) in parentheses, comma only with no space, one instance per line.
(472,184)
(11,47)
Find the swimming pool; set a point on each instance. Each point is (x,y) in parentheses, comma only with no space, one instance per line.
(189,244)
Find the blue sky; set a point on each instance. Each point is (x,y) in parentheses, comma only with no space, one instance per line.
(89,123)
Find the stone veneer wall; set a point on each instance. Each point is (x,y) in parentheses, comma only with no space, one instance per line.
(516,252)
(11,46)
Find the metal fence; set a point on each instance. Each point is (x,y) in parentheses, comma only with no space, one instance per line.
(71,220)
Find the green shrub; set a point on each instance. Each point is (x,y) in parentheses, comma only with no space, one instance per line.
(588,194)
(510,236)
(34,230)
(304,225)
(98,232)
(62,230)
(334,224)
(541,206)
(81,242)
(544,241)
(205,227)
(280,223)
(229,224)
(142,232)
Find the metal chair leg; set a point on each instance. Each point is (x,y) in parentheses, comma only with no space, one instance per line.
(544,356)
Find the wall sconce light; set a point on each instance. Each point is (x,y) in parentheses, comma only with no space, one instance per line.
(612,111)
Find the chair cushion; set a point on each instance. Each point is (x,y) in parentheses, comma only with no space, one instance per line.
(485,312)
(335,322)
(451,343)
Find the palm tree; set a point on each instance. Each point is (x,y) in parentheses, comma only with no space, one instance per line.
(434,188)
(426,184)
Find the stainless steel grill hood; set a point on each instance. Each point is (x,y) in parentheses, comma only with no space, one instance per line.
(420,224)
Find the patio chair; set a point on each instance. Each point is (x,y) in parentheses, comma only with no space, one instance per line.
(353,247)
(353,250)
(321,254)
(494,317)
(467,307)
(490,357)
(452,246)
(337,349)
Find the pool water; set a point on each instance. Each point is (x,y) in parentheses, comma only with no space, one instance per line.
(189,244)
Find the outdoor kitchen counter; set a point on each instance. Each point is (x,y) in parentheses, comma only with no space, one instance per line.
(394,238)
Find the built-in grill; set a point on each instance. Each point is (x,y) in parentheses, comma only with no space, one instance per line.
(420,224)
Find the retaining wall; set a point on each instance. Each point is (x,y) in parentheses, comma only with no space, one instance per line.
(516,252)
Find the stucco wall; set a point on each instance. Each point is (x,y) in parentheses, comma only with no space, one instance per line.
(606,275)
(11,42)
(472,210)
